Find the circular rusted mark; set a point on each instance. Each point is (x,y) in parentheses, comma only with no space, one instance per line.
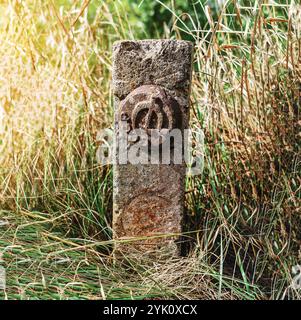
(150,107)
(144,215)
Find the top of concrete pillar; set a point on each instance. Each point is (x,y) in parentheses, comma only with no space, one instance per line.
(160,62)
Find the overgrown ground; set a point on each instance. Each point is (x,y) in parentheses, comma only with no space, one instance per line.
(243,213)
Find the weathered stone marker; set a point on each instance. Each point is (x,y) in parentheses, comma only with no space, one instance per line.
(151,86)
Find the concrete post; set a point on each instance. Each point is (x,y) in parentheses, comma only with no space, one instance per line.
(151,86)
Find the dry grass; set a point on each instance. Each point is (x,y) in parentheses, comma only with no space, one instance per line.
(43,263)
(247,100)
(55,96)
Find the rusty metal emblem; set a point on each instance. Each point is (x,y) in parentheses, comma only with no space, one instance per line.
(150,107)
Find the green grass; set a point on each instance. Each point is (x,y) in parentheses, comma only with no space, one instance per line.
(43,263)
(243,212)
